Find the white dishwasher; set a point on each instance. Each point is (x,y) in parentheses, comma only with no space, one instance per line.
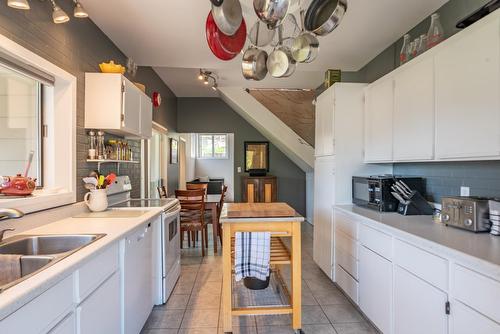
(137,269)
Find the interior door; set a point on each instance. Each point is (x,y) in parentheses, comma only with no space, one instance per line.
(157,161)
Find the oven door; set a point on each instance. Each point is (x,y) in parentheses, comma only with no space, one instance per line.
(361,191)
(171,240)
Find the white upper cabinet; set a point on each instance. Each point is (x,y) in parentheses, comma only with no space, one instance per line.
(379,106)
(114,104)
(467,95)
(414,112)
(324,141)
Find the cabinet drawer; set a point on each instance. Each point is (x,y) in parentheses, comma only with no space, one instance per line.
(347,262)
(346,244)
(376,241)
(43,312)
(464,320)
(346,224)
(477,291)
(95,271)
(66,326)
(427,266)
(347,283)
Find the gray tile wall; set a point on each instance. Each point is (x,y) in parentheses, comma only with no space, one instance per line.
(78,47)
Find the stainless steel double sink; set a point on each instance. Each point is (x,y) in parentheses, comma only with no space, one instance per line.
(38,252)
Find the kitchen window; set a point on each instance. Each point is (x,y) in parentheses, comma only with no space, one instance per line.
(212,146)
(20,123)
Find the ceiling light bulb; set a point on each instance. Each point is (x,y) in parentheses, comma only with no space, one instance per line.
(205,81)
(79,11)
(18,4)
(214,87)
(59,15)
(200,77)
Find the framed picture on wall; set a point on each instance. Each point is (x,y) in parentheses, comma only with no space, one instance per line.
(174,151)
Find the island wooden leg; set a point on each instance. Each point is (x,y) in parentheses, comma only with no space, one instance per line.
(296,278)
(227,306)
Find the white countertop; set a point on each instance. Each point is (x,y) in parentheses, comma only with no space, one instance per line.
(115,230)
(468,246)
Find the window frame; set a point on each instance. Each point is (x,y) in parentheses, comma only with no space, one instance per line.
(213,157)
(59,125)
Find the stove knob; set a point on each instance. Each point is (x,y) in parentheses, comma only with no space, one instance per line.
(445,217)
(468,222)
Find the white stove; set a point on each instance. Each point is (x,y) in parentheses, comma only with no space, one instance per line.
(166,234)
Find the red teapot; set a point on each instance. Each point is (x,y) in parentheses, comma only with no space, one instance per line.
(17,185)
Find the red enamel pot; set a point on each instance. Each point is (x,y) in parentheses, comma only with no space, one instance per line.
(223,46)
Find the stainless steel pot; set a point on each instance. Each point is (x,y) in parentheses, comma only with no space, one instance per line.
(271,12)
(253,65)
(280,63)
(227,15)
(323,16)
(305,47)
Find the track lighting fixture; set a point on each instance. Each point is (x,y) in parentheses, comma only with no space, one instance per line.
(18,4)
(79,11)
(207,77)
(58,15)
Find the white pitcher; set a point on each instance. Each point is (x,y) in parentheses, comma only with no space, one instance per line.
(96,200)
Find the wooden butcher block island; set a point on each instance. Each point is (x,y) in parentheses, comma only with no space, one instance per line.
(283,222)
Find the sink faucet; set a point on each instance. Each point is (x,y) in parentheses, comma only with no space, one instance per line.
(10,213)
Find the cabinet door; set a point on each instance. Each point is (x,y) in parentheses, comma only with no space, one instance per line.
(416,300)
(323,213)
(100,312)
(131,121)
(66,326)
(414,112)
(324,123)
(268,190)
(379,105)
(467,103)
(464,320)
(146,117)
(375,288)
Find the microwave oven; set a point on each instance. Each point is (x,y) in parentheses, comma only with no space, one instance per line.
(374,192)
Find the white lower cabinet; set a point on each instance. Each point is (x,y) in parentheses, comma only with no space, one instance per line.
(100,312)
(375,288)
(418,306)
(464,320)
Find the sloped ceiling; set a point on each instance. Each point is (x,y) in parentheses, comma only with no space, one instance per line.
(292,107)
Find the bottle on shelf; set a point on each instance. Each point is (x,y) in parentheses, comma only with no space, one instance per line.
(436,32)
(403,55)
(414,51)
(101,151)
(92,144)
(422,44)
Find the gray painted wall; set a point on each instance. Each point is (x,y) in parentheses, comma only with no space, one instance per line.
(443,178)
(214,115)
(78,47)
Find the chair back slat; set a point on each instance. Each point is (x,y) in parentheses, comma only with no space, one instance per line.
(198,186)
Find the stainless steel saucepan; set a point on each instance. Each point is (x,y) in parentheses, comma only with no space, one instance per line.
(254,63)
(271,12)
(227,15)
(280,63)
(323,16)
(305,47)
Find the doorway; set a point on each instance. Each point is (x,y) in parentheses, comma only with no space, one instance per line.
(157,160)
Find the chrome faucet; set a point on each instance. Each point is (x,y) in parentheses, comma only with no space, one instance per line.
(10,213)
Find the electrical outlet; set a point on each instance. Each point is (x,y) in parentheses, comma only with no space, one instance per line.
(239,169)
(464,191)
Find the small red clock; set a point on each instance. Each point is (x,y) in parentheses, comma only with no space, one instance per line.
(156,99)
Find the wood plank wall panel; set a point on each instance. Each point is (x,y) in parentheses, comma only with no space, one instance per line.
(294,108)
(78,47)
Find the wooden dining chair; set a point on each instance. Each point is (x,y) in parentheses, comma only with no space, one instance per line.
(193,215)
(219,211)
(162,191)
(197,186)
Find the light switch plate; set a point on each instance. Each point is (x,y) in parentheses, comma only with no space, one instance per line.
(464,191)
(239,169)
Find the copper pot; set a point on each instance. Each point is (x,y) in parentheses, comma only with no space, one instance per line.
(18,186)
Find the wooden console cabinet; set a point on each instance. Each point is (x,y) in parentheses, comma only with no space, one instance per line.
(260,189)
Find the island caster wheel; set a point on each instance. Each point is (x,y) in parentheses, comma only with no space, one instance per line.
(299,331)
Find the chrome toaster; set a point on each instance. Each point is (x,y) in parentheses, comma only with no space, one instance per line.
(468,213)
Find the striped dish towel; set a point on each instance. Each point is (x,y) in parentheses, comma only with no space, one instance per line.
(252,255)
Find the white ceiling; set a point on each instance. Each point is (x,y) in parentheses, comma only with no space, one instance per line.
(170,36)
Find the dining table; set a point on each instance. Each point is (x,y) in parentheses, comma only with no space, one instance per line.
(211,203)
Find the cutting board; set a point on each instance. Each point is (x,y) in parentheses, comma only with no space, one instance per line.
(259,210)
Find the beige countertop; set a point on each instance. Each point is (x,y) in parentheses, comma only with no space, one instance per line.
(473,248)
(115,230)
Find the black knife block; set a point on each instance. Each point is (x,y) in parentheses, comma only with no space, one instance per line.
(417,206)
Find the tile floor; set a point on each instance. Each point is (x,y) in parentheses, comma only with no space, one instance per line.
(195,305)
